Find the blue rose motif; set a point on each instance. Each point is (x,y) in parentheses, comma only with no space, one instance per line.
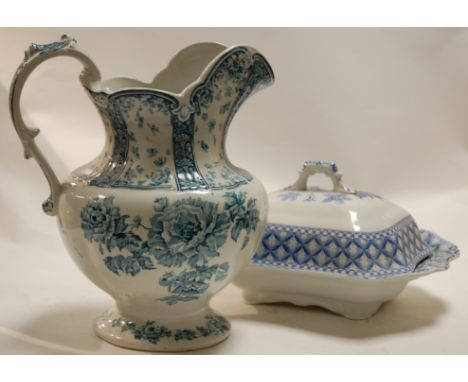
(98,219)
(188,230)
(103,223)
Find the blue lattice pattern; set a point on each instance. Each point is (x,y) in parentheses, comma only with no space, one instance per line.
(395,250)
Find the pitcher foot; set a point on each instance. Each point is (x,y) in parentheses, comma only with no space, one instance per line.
(174,334)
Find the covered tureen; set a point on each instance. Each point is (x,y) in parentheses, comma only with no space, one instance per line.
(345,250)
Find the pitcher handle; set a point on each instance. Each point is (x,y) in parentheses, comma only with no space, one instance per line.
(329,169)
(35,55)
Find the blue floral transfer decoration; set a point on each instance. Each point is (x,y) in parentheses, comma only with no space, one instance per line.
(324,197)
(190,284)
(289,196)
(120,110)
(242,213)
(103,223)
(335,198)
(189,232)
(135,117)
(215,325)
(370,195)
(153,333)
(150,331)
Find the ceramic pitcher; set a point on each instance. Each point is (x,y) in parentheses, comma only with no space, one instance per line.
(161,219)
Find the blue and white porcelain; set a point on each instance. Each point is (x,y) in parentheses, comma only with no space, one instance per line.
(161,219)
(342,249)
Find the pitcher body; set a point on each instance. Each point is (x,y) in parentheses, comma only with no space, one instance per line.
(161,219)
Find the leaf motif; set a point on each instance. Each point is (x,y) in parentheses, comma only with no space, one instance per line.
(236,229)
(88,236)
(136,221)
(167,279)
(164,258)
(120,225)
(145,262)
(206,273)
(168,259)
(133,242)
(179,259)
(125,240)
(195,259)
(222,271)
(174,299)
(113,263)
(245,242)
(130,265)
(157,227)
(244,215)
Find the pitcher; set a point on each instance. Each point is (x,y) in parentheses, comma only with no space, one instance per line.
(161,219)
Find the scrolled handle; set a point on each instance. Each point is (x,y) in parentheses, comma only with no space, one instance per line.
(35,55)
(329,169)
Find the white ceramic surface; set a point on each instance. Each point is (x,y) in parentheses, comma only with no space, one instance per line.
(341,249)
(339,208)
(352,297)
(161,220)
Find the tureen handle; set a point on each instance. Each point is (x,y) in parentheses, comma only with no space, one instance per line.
(35,55)
(329,169)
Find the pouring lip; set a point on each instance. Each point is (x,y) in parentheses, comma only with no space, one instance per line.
(103,86)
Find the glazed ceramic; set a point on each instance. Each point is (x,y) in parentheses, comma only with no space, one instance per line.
(345,250)
(161,219)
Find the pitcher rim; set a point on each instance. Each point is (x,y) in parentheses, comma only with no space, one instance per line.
(186,92)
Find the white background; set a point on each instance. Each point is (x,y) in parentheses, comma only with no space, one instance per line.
(388,105)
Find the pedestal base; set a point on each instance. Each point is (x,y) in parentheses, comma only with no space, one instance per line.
(163,334)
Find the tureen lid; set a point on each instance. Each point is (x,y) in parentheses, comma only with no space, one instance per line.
(340,230)
(341,208)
